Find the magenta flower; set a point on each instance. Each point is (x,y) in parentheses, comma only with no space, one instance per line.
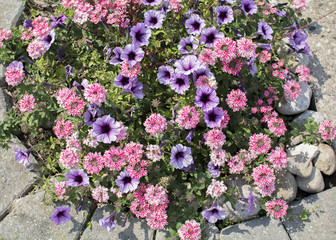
(106,129)
(61,215)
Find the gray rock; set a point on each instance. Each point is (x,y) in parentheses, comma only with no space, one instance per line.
(333,144)
(285,186)
(312,184)
(261,228)
(293,141)
(4,104)
(211,232)
(326,159)
(162,235)
(321,222)
(300,159)
(134,228)
(298,105)
(30,220)
(15,179)
(238,210)
(300,120)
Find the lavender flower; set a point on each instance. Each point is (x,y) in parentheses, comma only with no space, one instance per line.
(135,89)
(214,169)
(82,85)
(123,81)
(206,98)
(250,201)
(249,7)
(213,117)
(15,64)
(202,71)
(188,45)
(267,46)
(265,30)
(61,215)
(106,129)
(140,34)
(187,64)
(298,40)
(214,213)
(108,222)
(126,182)
(224,15)
(48,40)
(151,2)
(59,21)
(305,49)
(27,23)
(164,74)
(76,177)
(22,156)
(179,83)
(69,71)
(181,157)
(280,13)
(117,58)
(195,24)
(132,54)
(154,19)
(165,7)
(210,36)
(190,135)
(91,114)
(252,67)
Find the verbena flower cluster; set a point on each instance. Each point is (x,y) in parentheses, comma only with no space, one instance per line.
(153,106)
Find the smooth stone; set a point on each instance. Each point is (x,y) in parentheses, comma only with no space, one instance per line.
(261,228)
(300,159)
(15,179)
(29,219)
(211,232)
(312,184)
(326,159)
(285,186)
(317,116)
(134,228)
(293,141)
(298,105)
(4,104)
(321,222)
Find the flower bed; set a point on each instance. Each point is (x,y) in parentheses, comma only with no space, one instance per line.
(154,107)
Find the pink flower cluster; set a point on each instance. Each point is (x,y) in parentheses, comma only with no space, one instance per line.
(267,8)
(190,230)
(93,162)
(95,93)
(151,203)
(278,157)
(26,103)
(137,167)
(63,128)
(327,130)
(114,158)
(69,158)
(276,208)
(187,117)
(299,5)
(236,164)
(304,73)
(14,73)
(5,35)
(155,124)
(236,100)
(70,101)
(264,179)
(216,189)
(279,71)
(100,194)
(218,156)
(60,189)
(292,89)
(41,27)
(264,56)
(214,138)
(207,57)
(130,72)
(154,152)
(36,49)
(259,143)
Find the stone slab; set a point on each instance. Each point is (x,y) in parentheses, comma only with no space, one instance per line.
(321,222)
(30,220)
(134,228)
(4,104)
(261,228)
(15,179)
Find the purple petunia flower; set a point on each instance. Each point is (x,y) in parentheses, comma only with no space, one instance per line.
(91,114)
(214,213)
(181,157)
(213,117)
(151,2)
(22,156)
(252,67)
(164,74)
(267,46)
(210,36)
(154,19)
(106,129)
(126,182)
(250,201)
(27,23)
(61,215)
(190,135)
(132,54)
(140,34)
(214,170)
(123,81)
(187,64)
(224,15)
(305,49)
(195,24)
(188,45)
(298,40)
(15,64)
(265,30)
(249,7)
(280,13)
(82,85)
(76,177)
(202,71)
(179,83)
(59,21)
(117,58)
(135,89)
(206,98)
(108,222)
(48,40)
(221,2)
